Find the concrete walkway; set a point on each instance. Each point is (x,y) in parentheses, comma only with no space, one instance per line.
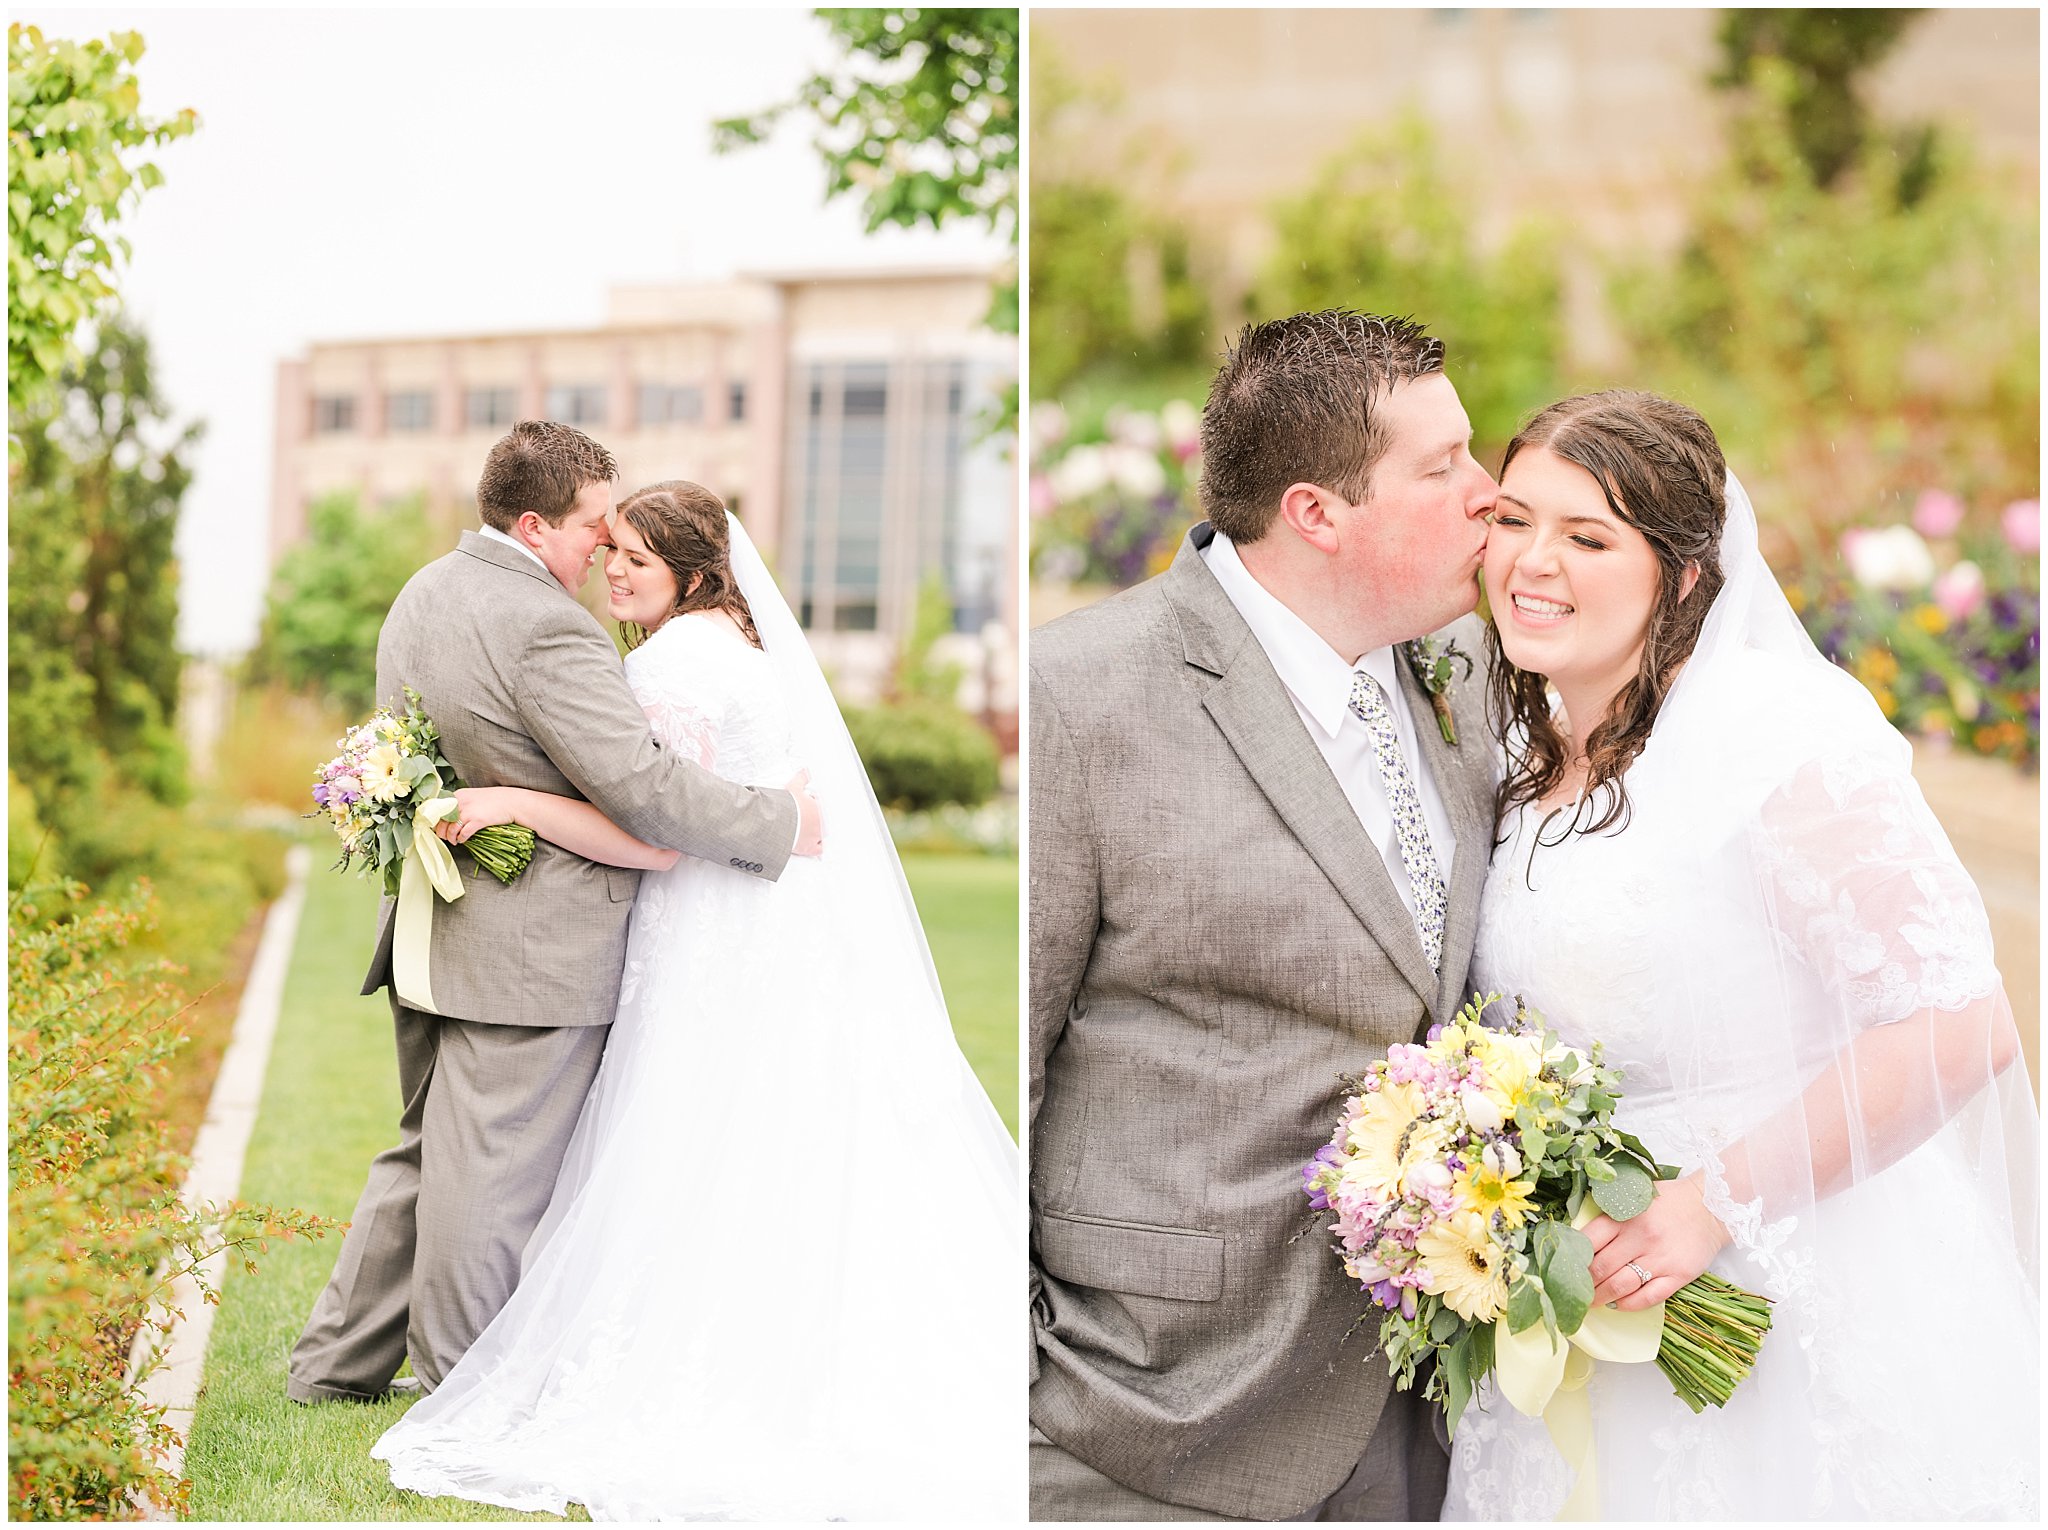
(217,1152)
(1992,813)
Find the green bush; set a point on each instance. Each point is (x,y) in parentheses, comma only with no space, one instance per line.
(95,1231)
(1385,229)
(920,755)
(222,870)
(329,595)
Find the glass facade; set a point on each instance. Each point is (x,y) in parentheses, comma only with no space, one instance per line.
(486,408)
(410,410)
(577,404)
(878,498)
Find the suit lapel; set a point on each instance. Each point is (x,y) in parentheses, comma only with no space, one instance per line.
(511,559)
(1256,716)
(1465,790)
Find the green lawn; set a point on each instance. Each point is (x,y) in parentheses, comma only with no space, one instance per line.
(969,907)
(330,1105)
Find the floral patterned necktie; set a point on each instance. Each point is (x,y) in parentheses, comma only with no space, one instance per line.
(1418,855)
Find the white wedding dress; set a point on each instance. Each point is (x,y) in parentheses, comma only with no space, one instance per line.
(1779,897)
(780,1274)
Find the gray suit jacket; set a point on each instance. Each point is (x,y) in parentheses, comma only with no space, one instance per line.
(1214,941)
(528,691)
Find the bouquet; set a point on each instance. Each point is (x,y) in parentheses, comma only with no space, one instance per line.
(1457,1182)
(390,785)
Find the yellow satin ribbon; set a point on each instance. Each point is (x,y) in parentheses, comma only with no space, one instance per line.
(1545,1378)
(429,868)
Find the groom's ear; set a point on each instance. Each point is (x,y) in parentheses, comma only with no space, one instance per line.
(527,528)
(1306,510)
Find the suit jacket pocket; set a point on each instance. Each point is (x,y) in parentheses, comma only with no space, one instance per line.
(622,882)
(1132,1257)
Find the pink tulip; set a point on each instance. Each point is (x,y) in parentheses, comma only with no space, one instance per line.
(1960,591)
(2022,526)
(1937,514)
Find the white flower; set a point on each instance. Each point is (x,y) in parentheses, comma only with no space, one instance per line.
(1424,1177)
(1182,423)
(1481,1112)
(1137,471)
(1892,559)
(1048,424)
(1134,427)
(1502,1158)
(1082,472)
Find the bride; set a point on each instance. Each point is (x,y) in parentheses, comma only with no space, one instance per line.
(1712,856)
(777,1277)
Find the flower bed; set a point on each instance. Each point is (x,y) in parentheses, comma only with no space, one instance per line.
(1941,622)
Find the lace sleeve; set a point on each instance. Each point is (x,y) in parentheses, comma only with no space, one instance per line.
(684,705)
(1892,1010)
(1869,891)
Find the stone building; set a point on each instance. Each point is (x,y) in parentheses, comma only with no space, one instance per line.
(840,414)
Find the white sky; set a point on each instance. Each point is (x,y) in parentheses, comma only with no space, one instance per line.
(363,173)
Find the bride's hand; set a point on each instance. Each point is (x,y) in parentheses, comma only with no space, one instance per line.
(479,808)
(1674,1240)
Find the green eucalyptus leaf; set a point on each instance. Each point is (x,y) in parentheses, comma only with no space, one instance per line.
(1444,1326)
(1623,1190)
(1455,1364)
(1568,1276)
(1525,1305)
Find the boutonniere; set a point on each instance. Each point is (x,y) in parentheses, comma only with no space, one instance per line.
(1430,662)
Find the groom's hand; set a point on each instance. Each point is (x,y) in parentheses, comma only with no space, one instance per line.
(810,821)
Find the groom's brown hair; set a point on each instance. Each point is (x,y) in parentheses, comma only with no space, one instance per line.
(539,465)
(1297,401)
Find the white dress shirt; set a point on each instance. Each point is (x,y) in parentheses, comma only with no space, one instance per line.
(1319,683)
(498,536)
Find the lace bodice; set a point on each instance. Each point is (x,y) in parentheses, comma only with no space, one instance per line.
(713,697)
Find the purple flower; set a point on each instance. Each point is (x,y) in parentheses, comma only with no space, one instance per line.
(320,793)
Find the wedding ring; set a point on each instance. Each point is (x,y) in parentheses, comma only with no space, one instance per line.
(1642,1275)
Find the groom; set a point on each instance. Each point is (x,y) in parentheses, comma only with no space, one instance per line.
(1255,864)
(528,691)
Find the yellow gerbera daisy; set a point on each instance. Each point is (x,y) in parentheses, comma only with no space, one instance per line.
(1465,1266)
(1486,1191)
(1376,1136)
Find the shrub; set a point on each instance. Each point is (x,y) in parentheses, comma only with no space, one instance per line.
(921,755)
(96,1232)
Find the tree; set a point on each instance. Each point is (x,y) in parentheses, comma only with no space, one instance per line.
(1848,342)
(73,112)
(1827,54)
(1113,283)
(329,595)
(92,654)
(921,122)
(1381,228)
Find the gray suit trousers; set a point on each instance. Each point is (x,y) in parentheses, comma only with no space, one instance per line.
(433,1250)
(1401,1476)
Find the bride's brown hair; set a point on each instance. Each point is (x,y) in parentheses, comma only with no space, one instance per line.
(683,524)
(1659,466)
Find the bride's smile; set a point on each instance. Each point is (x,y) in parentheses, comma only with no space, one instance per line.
(643,588)
(1571,583)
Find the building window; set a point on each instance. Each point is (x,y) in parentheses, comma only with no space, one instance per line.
(333,413)
(736,401)
(483,408)
(411,410)
(577,404)
(660,404)
(879,500)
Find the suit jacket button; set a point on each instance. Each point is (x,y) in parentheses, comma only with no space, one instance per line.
(738,864)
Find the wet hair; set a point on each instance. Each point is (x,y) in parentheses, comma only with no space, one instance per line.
(1297,401)
(1660,468)
(540,466)
(683,524)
